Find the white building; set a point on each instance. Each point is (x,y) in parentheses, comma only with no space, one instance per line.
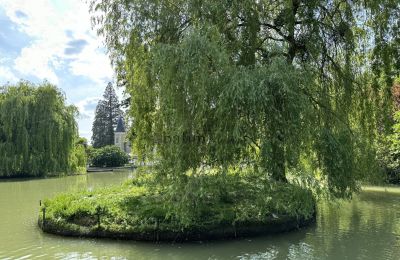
(120,139)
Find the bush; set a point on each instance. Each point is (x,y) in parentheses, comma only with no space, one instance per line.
(109,156)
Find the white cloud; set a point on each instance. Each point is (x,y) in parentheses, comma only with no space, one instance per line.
(51,25)
(93,63)
(85,107)
(34,61)
(6,75)
(47,22)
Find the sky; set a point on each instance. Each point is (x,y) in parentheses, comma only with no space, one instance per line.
(54,40)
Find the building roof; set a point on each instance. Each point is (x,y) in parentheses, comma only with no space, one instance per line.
(120,125)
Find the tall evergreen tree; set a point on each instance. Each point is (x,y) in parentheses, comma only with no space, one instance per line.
(98,127)
(107,113)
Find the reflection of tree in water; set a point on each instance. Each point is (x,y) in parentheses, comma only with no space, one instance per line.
(366,227)
(294,251)
(270,253)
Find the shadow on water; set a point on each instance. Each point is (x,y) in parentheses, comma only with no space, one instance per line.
(32,179)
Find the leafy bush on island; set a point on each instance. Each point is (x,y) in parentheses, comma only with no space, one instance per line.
(142,205)
(108,156)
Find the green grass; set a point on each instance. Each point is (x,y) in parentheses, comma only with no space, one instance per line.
(201,203)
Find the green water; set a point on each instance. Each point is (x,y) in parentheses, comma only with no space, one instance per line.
(366,228)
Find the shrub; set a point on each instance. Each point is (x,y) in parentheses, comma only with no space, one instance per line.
(109,156)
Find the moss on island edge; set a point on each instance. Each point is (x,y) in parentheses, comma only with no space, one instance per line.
(142,211)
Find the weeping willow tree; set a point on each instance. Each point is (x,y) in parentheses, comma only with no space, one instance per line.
(37,132)
(281,86)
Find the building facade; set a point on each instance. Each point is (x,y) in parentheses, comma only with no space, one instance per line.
(120,139)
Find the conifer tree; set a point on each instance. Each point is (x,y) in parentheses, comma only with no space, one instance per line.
(107,113)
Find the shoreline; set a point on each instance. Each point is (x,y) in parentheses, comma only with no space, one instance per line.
(54,176)
(228,232)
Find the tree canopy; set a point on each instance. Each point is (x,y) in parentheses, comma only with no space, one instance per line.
(280,86)
(106,117)
(109,156)
(38,131)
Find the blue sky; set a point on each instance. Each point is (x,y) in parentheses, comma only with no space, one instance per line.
(53,40)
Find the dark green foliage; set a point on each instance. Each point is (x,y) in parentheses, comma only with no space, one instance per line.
(389,152)
(108,156)
(38,132)
(106,117)
(89,152)
(388,143)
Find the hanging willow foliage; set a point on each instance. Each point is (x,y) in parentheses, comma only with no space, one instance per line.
(275,85)
(37,131)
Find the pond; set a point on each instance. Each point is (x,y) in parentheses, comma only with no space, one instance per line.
(368,227)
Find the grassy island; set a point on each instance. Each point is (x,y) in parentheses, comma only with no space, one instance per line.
(229,207)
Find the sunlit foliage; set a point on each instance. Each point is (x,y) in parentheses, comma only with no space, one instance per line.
(37,132)
(277,86)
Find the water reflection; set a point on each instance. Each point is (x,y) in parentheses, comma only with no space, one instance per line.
(368,227)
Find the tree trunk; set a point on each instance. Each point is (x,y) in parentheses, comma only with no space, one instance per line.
(278,140)
(278,156)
